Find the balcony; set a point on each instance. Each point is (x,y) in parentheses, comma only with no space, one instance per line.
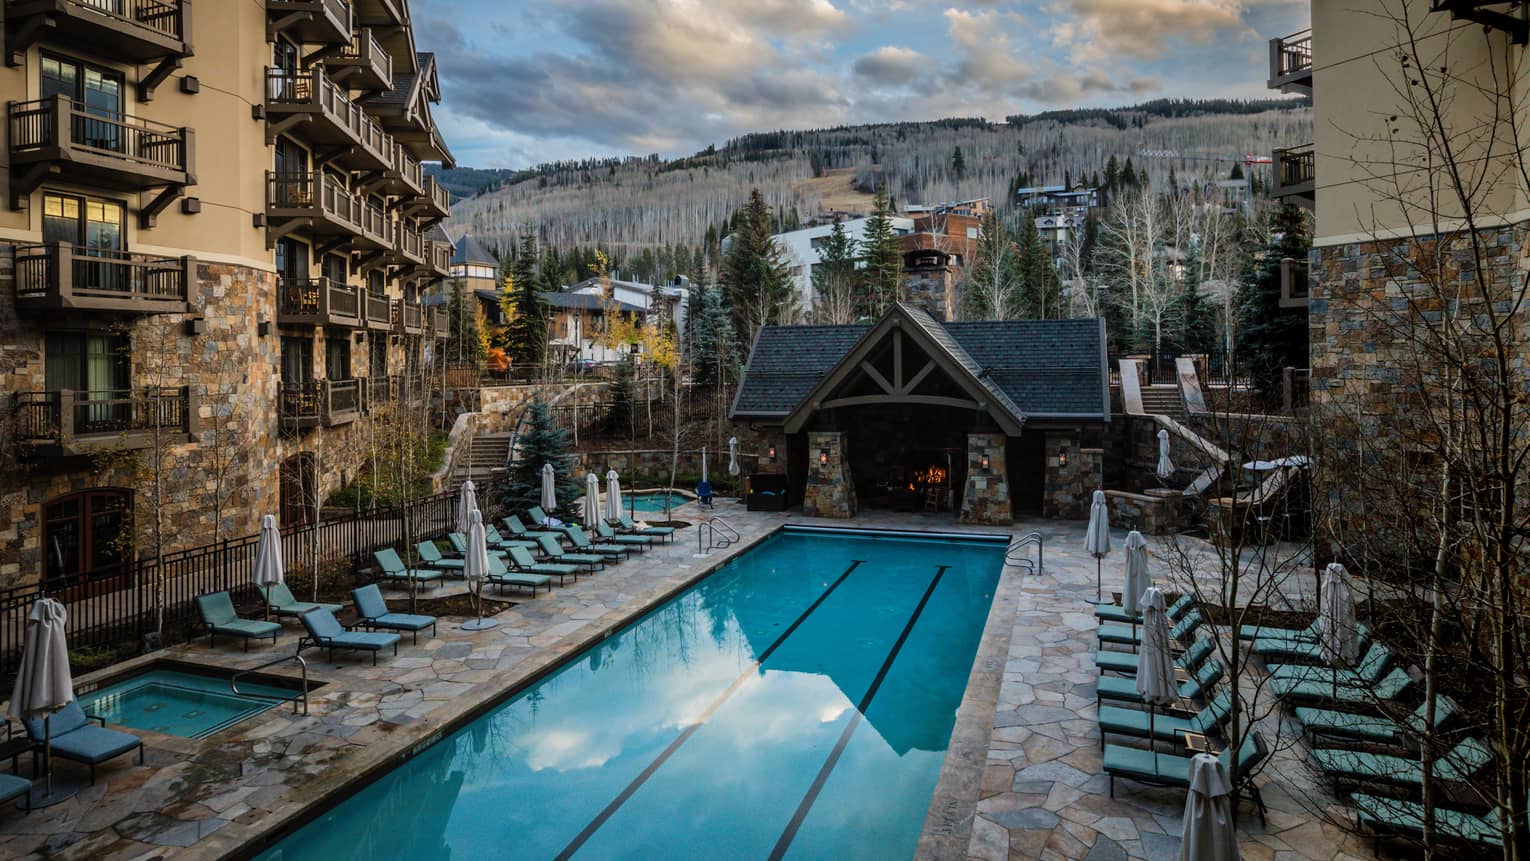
(310,104)
(433,204)
(130,31)
(404,177)
(408,244)
(1291,63)
(318,22)
(376,229)
(315,202)
(1295,175)
(379,391)
(328,402)
(379,312)
(319,302)
(58,277)
(440,324)
(1482,12)
(62,140)
(439,258)
(70,423)
(362,64)
(407,318)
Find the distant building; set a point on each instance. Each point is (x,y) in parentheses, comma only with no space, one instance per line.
(474,265)
(949,227)
(577,325)
(1058,199)
(802,249)
(669,301)
(1056,230)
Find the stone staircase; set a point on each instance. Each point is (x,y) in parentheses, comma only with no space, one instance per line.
(1163,401)
(487,456)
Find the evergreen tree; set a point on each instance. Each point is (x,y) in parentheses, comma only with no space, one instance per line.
(464,340)
(754,272)
(1193,321)
(1237,171)
(541,442)
(834,294)
(1269,337)
(526,330)
(623,412)
(884,261)
(713,352)
(958,164)
(1128,181)
(1040,289)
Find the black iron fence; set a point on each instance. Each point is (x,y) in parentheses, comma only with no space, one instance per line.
(117,609)
(1215,368)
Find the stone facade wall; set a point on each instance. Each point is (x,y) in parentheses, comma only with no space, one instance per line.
(932,289)
(226,475)
(1071,486)
(986,498)
(1150,514)
(830,490)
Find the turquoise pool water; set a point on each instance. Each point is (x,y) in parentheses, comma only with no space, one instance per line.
(177,703)
(797,703)
(648,503)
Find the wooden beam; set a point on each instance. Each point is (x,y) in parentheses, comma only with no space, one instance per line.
(898,359)
(156,76)
(877,378)
(920,400)
(148,214)
(918,378)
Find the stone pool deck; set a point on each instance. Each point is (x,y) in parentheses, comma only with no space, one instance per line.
(1041,793)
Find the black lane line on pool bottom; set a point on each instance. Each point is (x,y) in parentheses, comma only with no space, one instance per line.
(610,809)
(811,797)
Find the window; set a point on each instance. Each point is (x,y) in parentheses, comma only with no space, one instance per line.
(94,366)
(375,282)
(284,56)
(98,91)
(85,538)
(972,233)
(297,360)
(335,268)
(337,358)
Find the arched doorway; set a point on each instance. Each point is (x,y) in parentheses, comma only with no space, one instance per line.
(298,484)
(87,542)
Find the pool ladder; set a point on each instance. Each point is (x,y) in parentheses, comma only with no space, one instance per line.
(714,533)
(233,683)
(1017,556)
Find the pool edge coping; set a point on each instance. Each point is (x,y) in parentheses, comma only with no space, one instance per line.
(948,822)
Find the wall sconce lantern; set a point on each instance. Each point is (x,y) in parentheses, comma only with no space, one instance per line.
(1062,458)
(771,453)
(823,457)
(262,327)
(985,462)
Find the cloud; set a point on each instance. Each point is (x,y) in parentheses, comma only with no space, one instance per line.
(1145,29)
(891,66)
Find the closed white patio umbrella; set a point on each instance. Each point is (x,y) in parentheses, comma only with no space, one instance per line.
(475,568)
(1208,833)
(1137,578)
(1097,539)
(467,502)
(43,685)
(549,489)
(591,500)
(1338,638)
(613,496)
(268,557)
(703,463)
(1165,466)
(1155,666)
(733,455)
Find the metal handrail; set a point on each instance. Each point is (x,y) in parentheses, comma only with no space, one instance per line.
(1014,555)
(233,683)
(722,535)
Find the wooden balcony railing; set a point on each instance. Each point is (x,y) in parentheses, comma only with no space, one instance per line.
(439,198)
(1295,174)
(57,276)
(319,302)
(379,391)
(406,170)
(298,405)
(67,139)
(339,120)
(362,63)
(340,401)
(440,323)
(130,30)
(409,243)
(379,312)
(406,318)
(1291,63)
(315,196)
(326,22)
(440,259)
(70,422)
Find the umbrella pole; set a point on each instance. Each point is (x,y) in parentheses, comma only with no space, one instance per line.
(47,755)
(1099,582)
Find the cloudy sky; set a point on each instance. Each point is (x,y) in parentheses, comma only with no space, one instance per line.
(526,81)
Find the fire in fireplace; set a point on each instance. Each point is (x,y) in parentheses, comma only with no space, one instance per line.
(930,476)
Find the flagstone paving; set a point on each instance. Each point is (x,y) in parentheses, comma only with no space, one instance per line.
(1040,795)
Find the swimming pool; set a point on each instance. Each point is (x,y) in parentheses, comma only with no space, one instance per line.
(650,502)
(796,703)
(173,702)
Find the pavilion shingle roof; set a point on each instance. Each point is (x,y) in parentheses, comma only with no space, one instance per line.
(1036,368)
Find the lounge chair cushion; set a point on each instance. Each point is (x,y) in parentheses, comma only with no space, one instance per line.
(282,602)
(1127,662)
(326,631)
(73,736)
(628,525)
(1121,688)
(553,551)
(1136,722)
(371,606)
(1266,632)
(13,786)
(218,615)
(519,530)
(1380,813)
(1325,691)
(1371,727)
(1460,764)
(1371,668)
(1172,769)
(1117,613)
(431,555)
(521,558)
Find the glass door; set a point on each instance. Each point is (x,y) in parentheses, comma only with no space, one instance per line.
(96,94)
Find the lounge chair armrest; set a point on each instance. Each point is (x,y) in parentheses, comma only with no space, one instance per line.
(98,719)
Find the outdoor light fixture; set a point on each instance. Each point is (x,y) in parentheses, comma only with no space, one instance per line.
(823,457)
(1062,457)
(985,463)
(771,453)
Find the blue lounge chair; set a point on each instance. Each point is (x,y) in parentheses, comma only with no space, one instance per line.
(1461,764)
(1375,663)
(583,544)
(1117,613)
(71,735)
(1266,632)
(1165,727)
(501,576)
(1384,815)
(555,553)
(704,494)
(666,533)
(1291,651)
(496,541)
(217,611)
(1373,728)
(539,519)
(12,787)
(1325,691)
(521,558)
(1124,635)
(325,631)
(431,557)
(1125,689)
(606,533)
(519,530)
(1168,769)
(393,568)
(282,602)
(1126,662)
(374,613)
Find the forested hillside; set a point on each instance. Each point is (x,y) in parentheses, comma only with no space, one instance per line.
(626,205)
